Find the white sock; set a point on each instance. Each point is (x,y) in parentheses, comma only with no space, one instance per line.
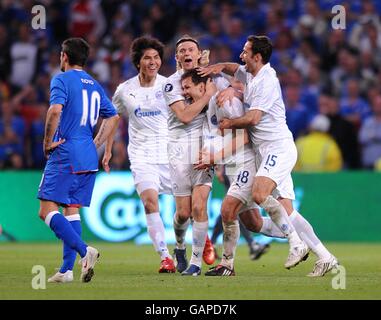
(156,231)
(231,236)
(278,215)
(199,232)
(270,229)
(49,217)
(73,217)
(180,231)
(307,234)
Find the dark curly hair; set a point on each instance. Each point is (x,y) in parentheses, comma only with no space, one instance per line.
(139,45)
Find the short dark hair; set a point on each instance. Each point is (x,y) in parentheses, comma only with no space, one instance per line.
(77,51)
(186,38)
(139,45)
(196,78)
(261,45)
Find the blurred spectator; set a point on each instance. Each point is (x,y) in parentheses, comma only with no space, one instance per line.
(12,134)
(318,151)
(5,56)
(297,115)
(343,131)
(24,58)
(86,18)
(353,108)
(370,136)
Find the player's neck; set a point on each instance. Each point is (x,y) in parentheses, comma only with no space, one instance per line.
(74,67)
(146,81)
(259,67)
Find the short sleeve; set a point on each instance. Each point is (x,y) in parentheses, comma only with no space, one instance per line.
(58,94)
(262,95)
(172,92)
(117,100)
(107,109)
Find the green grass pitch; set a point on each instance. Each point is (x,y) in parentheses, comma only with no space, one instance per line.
(127,271)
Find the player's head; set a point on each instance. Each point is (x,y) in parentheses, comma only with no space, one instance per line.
(256,51)
(147,55)
(188,53)
(193,84)
(74,52)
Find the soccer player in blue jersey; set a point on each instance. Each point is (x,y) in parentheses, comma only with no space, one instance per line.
(76,102)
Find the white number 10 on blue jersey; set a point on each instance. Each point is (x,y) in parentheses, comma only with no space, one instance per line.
(94,107)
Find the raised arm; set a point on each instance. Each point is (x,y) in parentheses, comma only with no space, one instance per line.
(186,113)
(229,68)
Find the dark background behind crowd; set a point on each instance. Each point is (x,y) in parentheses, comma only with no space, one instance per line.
(322,70)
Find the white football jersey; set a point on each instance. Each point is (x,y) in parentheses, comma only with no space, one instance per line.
(214,141)
(263,92)
(178,131)
(147,119)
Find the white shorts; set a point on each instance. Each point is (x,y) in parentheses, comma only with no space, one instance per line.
(183,176)
(241,184)
(151,176)
(275,160)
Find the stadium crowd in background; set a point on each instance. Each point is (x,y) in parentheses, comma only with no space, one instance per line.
(322,70)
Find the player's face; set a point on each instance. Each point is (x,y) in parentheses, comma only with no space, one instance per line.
(150,63)
(187,55)
(192,90)
(248,57)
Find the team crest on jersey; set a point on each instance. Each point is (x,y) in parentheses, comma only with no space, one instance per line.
(159,94)
(213,120)
(168,87)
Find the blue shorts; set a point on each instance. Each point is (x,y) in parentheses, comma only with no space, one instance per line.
(67,189)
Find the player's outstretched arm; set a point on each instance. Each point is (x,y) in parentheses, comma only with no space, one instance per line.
(229,68)
(51,124)
(108,127)
(241,137)
(251,118)
(186,113)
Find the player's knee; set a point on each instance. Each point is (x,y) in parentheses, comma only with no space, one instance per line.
(198,209)
(259,197)
(250,221)
(42,214)
(227,213)
(182,216)
(150,205)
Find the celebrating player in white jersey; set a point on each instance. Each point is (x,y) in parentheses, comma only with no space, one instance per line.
(141,99)
(190,187)
(275,151)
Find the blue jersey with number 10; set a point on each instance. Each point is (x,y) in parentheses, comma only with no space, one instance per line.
(83,101)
